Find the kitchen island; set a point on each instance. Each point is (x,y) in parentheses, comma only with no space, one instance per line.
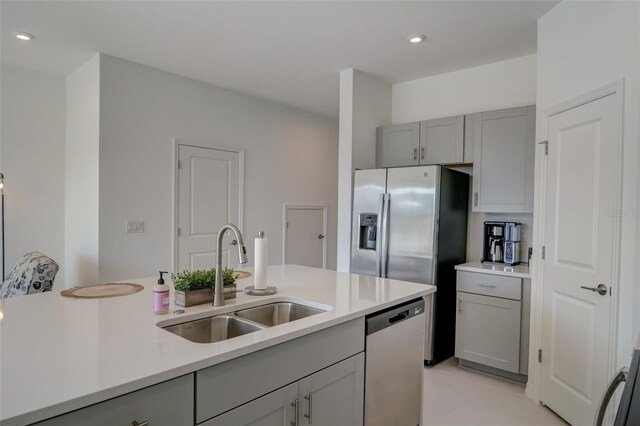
(59,354)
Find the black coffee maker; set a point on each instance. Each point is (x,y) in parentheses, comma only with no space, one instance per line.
(493,246)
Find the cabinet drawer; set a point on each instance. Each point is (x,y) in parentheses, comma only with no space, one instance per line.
(166,404)
(490,285)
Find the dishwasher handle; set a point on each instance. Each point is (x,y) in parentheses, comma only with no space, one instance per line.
(394,315)
(401,316)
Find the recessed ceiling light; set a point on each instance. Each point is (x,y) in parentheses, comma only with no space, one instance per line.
(416,38)
(22,36)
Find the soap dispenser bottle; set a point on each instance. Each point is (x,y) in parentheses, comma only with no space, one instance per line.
(161,296)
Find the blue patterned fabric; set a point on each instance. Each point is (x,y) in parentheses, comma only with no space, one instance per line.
(33,273)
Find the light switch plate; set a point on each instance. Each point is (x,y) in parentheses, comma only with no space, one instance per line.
(135,226)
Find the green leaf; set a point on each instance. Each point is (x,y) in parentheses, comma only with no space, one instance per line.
(197,280)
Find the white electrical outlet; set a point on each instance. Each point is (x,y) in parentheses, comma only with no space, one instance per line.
(135,226)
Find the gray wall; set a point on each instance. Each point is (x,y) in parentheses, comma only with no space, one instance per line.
(291,157)
(32,159)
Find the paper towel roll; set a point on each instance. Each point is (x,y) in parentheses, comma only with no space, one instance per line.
(261,259)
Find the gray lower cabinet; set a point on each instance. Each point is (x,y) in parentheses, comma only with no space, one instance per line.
(332,396)
(492,323)
(335,395)
(488,331)
(503,160)
(274,409)
(166,404)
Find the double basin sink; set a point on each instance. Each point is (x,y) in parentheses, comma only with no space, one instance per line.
(228,326)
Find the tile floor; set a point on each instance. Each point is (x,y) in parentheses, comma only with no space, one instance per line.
(456,396)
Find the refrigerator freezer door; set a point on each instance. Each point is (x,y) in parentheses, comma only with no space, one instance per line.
(413,206)
(366,250)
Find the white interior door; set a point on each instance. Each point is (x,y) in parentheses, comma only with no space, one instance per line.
(305,236)
(208,197)
(582,174)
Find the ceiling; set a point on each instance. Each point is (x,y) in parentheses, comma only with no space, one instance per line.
(286,51)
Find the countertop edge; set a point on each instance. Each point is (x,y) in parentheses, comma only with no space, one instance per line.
(68,406)
(492,272)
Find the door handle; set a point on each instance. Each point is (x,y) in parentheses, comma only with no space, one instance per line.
(234,243)
(415,154)
(601,289)
(320,236)
(422,151)
(475,199)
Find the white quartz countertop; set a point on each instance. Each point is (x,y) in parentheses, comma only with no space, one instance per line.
(59,354)
(518,271)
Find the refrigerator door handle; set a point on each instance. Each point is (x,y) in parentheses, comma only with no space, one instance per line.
(385,235)
(621,376)
(379,241)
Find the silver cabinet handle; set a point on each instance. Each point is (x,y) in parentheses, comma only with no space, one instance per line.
(295,404)
(234,243)
(320,236)
(309,415)
(415,154)
(422,151)
(487,285)
(475,198)
(601,289)
(135,423)
(459,306)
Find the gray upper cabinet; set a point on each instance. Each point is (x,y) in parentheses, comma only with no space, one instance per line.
(503,160)
(442,141)
(398,145)
(439,141)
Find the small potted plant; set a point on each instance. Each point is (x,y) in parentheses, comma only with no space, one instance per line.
(196,287)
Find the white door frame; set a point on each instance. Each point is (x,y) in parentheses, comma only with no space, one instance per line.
(536,267)
(177,143)
(288,207)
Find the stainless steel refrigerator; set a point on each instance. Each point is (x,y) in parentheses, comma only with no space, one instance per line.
(410,224)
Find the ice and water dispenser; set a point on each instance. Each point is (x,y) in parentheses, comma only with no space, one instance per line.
(368,231)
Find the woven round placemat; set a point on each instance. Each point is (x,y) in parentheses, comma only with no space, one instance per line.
(102,291)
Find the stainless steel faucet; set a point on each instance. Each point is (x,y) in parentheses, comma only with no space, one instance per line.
(218,294)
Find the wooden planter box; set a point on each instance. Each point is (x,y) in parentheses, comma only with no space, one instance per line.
(198,297)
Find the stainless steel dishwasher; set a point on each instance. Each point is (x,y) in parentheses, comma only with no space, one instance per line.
(393,366)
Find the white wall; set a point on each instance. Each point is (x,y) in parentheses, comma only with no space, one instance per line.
(291,157)
(583,46)
(365,103)
(81,179)
(32,159)
(497,85)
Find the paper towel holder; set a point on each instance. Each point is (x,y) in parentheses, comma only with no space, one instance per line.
(252,290)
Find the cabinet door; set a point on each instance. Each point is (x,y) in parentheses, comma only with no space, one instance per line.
(398,145)
(442,141)
(274,409)
(335,395)
(488,331)
(504,147)
(166,404)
